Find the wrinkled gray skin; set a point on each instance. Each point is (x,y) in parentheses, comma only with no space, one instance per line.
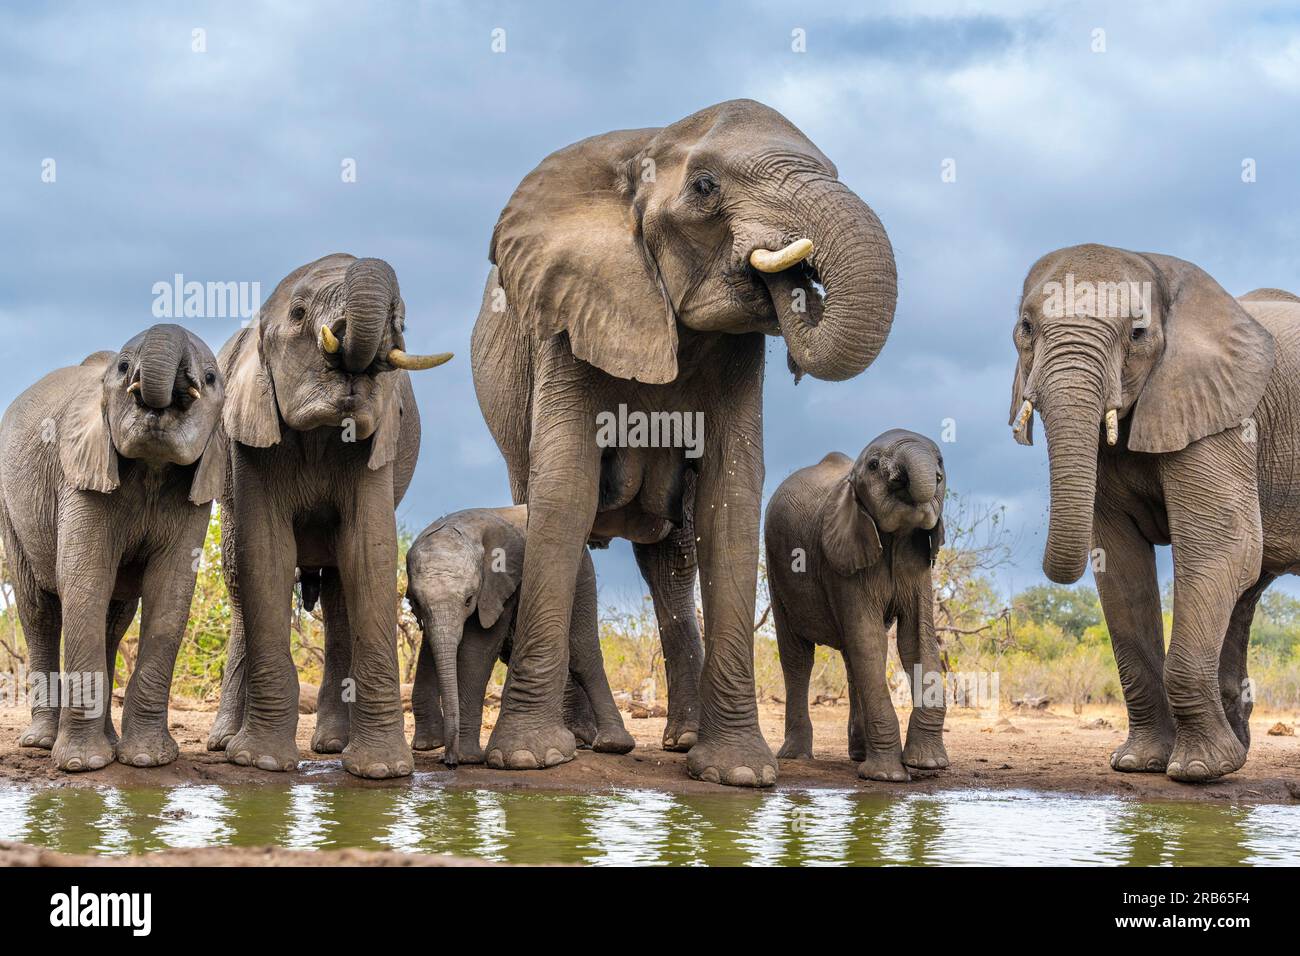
(311,495)
(635,245)
(1205,389)
(849,547)
(463,581)
(107,474)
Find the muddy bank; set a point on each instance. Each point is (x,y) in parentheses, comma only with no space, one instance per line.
(20,854)
(1046,750)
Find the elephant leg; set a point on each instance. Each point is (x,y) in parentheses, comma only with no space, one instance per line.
(918,650)
(41,617)
(333,713)
(1130,601)
(478,653)
(729,491)
(230,710)
(796,668)
(367,552)
(1211,496)
(562,499)
(669,571)
(168,592)
(865,651)
(120,616)
(426,705)
(1234,683)
(587,667)
(857,732)
(265,554)
(578,715)
(81,743)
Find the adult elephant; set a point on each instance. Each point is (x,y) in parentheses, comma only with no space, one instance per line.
(1170,415)
(636,273)
(324,434)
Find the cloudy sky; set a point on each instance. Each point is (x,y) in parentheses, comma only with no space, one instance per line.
(225,165)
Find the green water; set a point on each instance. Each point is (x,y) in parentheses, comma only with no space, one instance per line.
(649,827)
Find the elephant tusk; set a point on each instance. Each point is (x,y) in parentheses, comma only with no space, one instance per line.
(1112,426)
(1026,410)
(416,363)
(133,387)
(328,341)
(765,260)
(194,393)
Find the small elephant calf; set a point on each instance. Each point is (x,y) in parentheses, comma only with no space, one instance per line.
(850,545)
(462,584)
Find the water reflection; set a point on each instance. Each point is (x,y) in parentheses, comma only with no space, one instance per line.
(620,828)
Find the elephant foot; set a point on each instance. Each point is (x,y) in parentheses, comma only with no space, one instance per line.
(276,753)
(224,729)
(1143,752)
(1199,755)
(797,746)
(613,740)
(471,754)
(681,733)
(885,767)
(147,749)
(78,752)
(743,762)
(427,739)
(386,758)
(925,750)
(584,734)
(110,731)
(521,749)
(1237,711)
(331,735)
(42,732)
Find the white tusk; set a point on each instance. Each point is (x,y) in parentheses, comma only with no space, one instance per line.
(765,260)
(133,387)
(415,363)
(194,393)
(1112,426)
(328,340)
(1026,410)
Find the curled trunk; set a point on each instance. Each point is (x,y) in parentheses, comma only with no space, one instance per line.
(160,358)
(922,474)
(369,295)
(854,263)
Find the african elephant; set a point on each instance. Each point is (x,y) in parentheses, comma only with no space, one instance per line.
(107,474)
(636,274)
(324,434)
(849,550)
(462,583)
(1170,415)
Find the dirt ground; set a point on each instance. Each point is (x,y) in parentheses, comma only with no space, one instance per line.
(1052,749)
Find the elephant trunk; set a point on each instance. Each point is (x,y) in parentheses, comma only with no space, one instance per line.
(161,354)
(1071,418)
(922,473)
(370,294)
(853,262)
(445,640)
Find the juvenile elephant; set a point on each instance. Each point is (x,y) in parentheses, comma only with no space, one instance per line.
(636,275)
(107,474)
(849,547)
(463,578)
(324,435)
(1170,415)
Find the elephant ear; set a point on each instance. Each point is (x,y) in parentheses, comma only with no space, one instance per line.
(503,565)
(86,450)
(571,258)
(210,476)
(850,540)
(1018,389)
(250,415)
(1215,367)
(383,444)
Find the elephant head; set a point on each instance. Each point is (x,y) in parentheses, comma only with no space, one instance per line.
(456,569)
(730,220)
(1140,351)
(896,487)
(325,350)
(158,402)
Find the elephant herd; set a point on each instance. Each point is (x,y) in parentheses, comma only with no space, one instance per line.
(636,274)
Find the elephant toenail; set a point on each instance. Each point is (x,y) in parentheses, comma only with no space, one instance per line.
(403,769)
(74,764)
(711,775)
(742,777)
(142,760)
(523,760)
(268,763)
(1198,768)
(377,771)
(1126,762)
(769,776)
(687,740)
(243,758)
(495,760)
(553,757)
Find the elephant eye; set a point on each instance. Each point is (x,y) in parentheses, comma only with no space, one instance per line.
(873,465)
(209,377)
(1138,333)
(706,186)
(122,367)
(298,313)
(469,599)
(1026,327)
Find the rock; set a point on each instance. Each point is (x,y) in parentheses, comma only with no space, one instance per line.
(1101,723)
(1281,730)
(642,711)
(307,698)
(1031,703)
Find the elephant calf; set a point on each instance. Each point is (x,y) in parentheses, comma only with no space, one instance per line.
(471,562)
(849,550)
(107,473)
